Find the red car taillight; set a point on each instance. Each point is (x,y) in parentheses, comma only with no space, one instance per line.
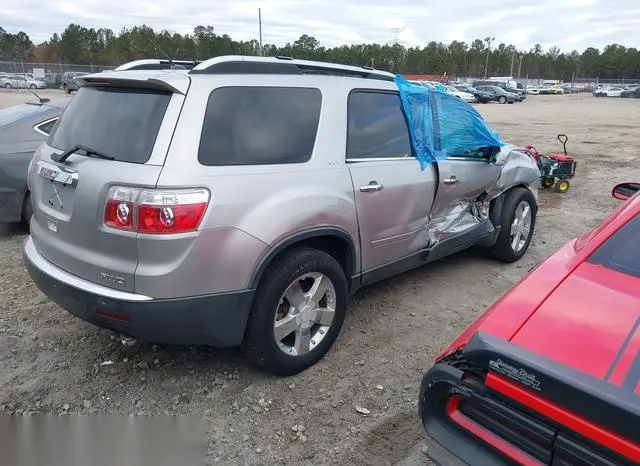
(155,211)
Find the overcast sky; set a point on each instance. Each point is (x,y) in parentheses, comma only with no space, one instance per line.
(568,24)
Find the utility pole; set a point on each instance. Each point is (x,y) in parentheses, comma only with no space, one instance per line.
(260,31)
(513,59)
(520,64)
(488,40)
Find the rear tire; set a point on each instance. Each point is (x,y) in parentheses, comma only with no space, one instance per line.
(66,89)
(32,86)
(27,209)
(502,99)
(547,182)
(514,238)
(7,86)
(271,306)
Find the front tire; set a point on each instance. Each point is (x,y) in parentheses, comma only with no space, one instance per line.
(32,86)
(297,313)
(517,222)
(66,89)
(7,86)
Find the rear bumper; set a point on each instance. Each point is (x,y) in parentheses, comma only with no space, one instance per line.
(218,320)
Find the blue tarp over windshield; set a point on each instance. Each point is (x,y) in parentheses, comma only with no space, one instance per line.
(442,125)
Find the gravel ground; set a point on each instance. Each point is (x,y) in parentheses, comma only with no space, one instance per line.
(52,363)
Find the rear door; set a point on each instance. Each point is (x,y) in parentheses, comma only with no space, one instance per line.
(132,125)
(393,196)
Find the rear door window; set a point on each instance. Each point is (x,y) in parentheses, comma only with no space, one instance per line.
(119,122)
(621,252)
(377,126)
(259,126)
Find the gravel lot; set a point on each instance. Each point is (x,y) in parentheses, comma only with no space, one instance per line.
(52,362)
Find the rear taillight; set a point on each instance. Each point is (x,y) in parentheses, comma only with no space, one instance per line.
(119,210)
(155,211)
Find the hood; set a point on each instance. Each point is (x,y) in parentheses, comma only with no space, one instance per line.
(589,323)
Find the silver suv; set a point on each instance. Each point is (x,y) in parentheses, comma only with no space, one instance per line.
(242,201)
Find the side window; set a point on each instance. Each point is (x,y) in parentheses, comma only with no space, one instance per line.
(376,126)
(46,127)
(259,126)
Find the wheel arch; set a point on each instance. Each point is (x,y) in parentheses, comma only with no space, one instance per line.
(333,240)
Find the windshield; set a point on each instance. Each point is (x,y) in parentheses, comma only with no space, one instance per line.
(121,122)
(15,113)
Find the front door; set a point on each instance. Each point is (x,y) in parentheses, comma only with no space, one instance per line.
(393,196)
(462,180)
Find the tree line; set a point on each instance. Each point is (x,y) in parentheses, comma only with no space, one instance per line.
(89,46)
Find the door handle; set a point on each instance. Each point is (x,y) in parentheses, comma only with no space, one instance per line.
(452,180)
(372,187)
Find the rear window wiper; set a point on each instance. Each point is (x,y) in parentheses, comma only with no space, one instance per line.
(88,152)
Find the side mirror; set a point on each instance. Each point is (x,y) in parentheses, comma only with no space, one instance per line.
(624,191)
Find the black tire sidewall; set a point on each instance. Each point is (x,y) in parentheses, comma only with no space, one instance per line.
(259,344)
(27,209)
(502,250)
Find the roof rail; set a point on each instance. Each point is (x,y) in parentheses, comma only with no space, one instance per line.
(157,64)
(238,64)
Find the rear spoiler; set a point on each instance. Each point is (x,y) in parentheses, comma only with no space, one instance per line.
(173,81)
(596,400)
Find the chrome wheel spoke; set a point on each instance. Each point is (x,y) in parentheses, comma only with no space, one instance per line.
(303,341)
(295,295)
(324,316)
(321,285)
(285,327)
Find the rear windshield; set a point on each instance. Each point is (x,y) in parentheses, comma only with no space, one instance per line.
(119,122)
(621,252)
(15,113)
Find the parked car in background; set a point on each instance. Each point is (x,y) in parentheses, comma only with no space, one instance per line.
(633,93)
(613,91)
(550,373)
(53,80)
(555,90)
(21,82)
(68,80)
(229,219)
(499,94)
(480,96)
(466,96)
(23,128)
(506,86)
(533,90)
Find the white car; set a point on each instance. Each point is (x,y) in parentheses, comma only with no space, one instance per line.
(21,82)
(608,92)
(531,90)
(460,94)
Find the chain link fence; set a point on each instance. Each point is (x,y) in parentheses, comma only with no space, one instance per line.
(50,73)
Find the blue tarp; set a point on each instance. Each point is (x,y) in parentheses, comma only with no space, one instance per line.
(442,125)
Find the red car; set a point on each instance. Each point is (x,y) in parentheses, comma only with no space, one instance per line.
(550,373)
